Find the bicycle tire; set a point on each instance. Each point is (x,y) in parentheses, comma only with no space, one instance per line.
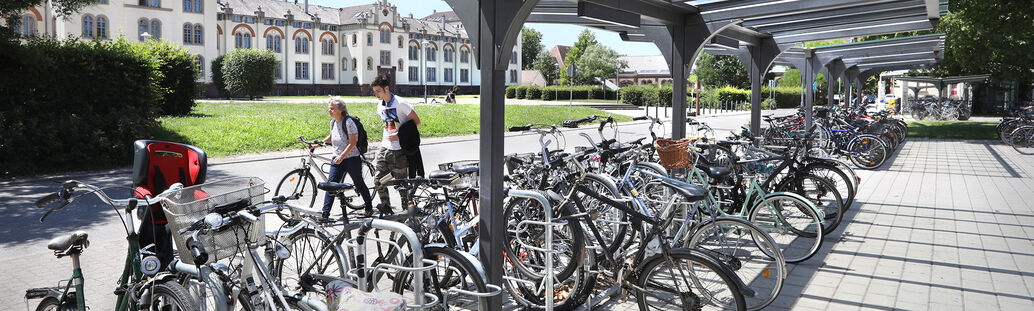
(722,290)
(457,270)
(308,243)
(298,181)
(52,304)
(867,151)
(171,294)
(355,201)
(617,221)
(1022,139)
(848,189)
(750,253)
(822,194)
(769,213)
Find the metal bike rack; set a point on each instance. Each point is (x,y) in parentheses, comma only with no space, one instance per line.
(548,250)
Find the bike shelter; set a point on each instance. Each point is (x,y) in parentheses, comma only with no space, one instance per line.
(758,31)
(938,82)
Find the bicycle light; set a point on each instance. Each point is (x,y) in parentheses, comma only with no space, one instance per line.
(150,265)
(214,219)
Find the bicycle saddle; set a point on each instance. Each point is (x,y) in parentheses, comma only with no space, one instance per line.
(63,243)
(466,169)
(689,191)
(441,176)
(334,186)
(714,172)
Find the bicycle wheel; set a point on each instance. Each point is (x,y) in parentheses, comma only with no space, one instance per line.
(838,177)
(355,201)
(51,304)
(453,272)
(611,222)
(792,223)
(750,252)
(311,252)
(527,264)
(822,193)
(298,181)
(687,280)
(1022,139)
(172,297)
(867,151)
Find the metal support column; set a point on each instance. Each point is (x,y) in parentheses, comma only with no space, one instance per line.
(808,78)
(679,80)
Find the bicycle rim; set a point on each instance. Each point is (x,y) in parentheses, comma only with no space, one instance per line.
(793,224)
(750,252)
(685,281)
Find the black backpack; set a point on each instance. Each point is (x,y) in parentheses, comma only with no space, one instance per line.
(362,143)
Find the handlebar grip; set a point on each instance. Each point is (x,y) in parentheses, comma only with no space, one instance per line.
(639,118)
(198,251)
(520,128)
(51,211)
(47,200)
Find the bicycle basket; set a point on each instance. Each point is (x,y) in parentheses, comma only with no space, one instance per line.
(193,203)
(674,154)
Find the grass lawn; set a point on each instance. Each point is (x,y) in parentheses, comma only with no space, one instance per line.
(953,129)
(320,97)
(233,128)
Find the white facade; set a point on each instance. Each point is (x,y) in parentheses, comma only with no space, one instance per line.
(317,46)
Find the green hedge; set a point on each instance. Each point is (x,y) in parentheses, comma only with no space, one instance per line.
(549,93)
(217,76)
(732,94)
(511,91)
(521,91)
(785,96)
(179,74)
(75,105)
(639,95)
(533,92)
(250,72)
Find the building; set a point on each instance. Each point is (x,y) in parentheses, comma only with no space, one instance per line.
(643,70)
(532,77)
(559,53)
(349,46)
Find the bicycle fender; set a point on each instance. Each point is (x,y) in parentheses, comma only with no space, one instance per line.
(655,166)
(470,257)
(793,195)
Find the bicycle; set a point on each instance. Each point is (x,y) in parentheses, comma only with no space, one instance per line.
(141,286)
(302,180)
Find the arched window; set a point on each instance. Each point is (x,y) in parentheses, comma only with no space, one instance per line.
(448,54)
(354,38)
(28,26)
(200,67)
(87,26)
(198,38)
(102,27)
(355,64)
(143,28)
(243,40)
(385,34)
(355,80)
(154,3)
(400,41)
(369,39)
(369,63)
(400,65)
(430,52)
(192,6)
(464,55)
(344,64)
(156,29)
(301,45)
(273,42)
(188,33)
(328,47)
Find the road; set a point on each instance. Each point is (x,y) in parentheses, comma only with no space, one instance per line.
(25,260)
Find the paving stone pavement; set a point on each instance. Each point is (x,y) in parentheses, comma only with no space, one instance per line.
(944,225)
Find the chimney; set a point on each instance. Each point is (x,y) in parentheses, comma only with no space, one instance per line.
(306,6)
(410,15)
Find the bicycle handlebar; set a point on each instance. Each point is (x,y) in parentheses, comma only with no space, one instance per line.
(72,186)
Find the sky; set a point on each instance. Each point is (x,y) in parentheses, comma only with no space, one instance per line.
(552,34)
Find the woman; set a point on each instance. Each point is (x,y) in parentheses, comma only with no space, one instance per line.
(344,138)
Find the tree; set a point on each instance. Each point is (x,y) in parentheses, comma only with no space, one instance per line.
(250,72)
(598,63)
(721,70)
(544,63)
(531,44)
(585,39)
(217,75)
(178,75)
(12,11)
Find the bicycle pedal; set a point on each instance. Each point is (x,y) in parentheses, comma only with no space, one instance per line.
(121,290)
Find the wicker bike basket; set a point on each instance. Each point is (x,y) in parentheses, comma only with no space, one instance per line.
(674,154)
(190,204)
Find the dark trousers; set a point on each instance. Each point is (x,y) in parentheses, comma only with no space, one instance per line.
(354,167)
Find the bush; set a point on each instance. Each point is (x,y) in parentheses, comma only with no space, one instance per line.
(549,93)
(521,91)
(597,93)
(533,92)
(178,75)
(785,96)
(639,95)
(74,105)
(767,103)
(732,94)
(217,76)
(250,72)
(511,91)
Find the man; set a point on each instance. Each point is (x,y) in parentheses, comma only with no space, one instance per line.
(391,159)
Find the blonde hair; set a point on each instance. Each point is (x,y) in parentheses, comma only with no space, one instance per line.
(340,103)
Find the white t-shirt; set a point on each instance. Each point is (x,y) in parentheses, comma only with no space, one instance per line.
(339,140)
(393,114)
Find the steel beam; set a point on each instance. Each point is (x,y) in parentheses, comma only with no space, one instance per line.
(876,27)
(807,17)
(761,8)
(679,80)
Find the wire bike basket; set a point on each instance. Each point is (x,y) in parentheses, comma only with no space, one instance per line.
(190,204)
